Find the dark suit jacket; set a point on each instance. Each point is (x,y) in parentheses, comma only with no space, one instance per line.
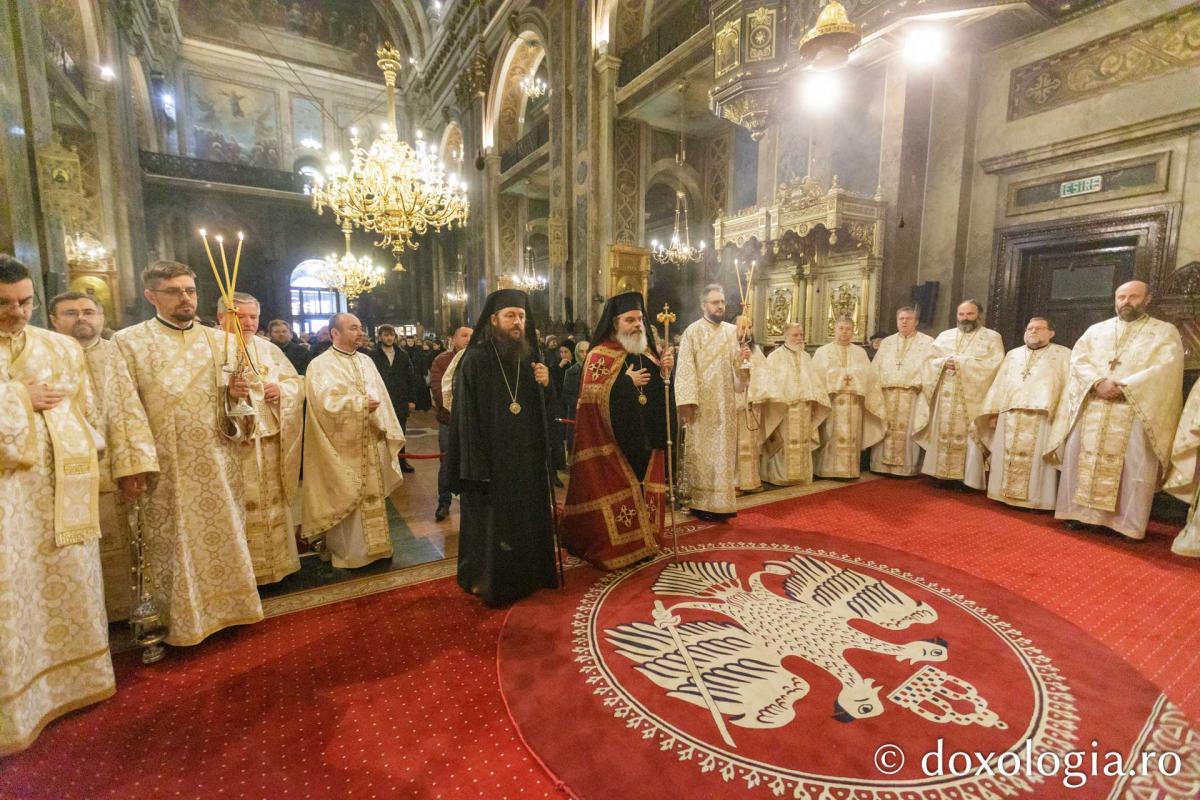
(399,377)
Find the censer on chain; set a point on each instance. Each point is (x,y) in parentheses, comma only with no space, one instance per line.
(144,621)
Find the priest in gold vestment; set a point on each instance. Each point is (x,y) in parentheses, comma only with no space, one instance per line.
(898,366)
(129,459)
(352,439)
(855,419)
(271,457)
(1123,401)
(958,373)
(1183,481)
(198,566)
(53,633)
(1016,419)
(793,402)
(709,373)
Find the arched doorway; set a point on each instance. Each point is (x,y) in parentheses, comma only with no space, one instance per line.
(313,303)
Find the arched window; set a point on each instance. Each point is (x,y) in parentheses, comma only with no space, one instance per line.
(313,303)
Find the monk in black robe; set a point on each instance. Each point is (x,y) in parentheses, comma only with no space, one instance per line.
(615,502)
(499,457)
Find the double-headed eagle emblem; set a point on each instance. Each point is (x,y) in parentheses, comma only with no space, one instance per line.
(734,667)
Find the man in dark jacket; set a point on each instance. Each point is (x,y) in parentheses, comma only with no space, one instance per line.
(398,376)
(436,371)
(281,334)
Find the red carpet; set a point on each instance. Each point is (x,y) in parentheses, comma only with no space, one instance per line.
(586,673)
(395,695)
(391,696)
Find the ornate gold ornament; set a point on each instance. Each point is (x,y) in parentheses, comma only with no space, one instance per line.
(779,310)
(828,43)
(727,47)
(760,34)
(843,302)
(393,189)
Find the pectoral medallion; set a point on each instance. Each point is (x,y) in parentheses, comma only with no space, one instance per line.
(514,408)
(642,399)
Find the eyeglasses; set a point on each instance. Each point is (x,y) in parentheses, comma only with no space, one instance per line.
(25,306)
(72,313)
(176,293)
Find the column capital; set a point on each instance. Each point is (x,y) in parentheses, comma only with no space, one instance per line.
(607,63)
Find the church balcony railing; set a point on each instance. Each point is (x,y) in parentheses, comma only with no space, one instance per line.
(526,145)
(59,56)
(668,34)
(198,169)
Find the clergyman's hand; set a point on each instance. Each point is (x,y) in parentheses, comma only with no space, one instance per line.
(541,374)
(667,363)
(43,396)
(744,354)
(271,392)
(1109,390)
(640,377)
(412,407)
(950,365)
(687,413)
(372,404)
(239,387)
(132,486)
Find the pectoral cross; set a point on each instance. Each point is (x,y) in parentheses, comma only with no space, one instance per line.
(847,380)
(1113,364)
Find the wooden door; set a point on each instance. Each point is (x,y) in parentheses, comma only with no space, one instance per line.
(1073,286)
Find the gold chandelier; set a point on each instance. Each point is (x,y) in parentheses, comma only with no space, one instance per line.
(392,189)
(679,250)
(350,274)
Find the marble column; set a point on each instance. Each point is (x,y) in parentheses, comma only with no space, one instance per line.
(902,165)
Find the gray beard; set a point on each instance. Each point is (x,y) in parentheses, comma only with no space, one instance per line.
(968,325)
(634,343)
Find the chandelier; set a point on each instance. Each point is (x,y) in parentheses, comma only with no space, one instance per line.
(457,293)
(679,250)
(527,280)
(350,274)
(85,251)
(533,87)
(392,189)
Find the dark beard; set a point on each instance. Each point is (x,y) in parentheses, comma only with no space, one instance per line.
(968,325)
(1131,313)
(510,349)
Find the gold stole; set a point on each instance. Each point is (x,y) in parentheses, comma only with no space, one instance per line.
(898,402)
(1021,427)
(798,450)
(845,443)
(952,429)
(1105,427)
(76,469)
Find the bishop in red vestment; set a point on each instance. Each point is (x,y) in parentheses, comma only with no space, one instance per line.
(614,506)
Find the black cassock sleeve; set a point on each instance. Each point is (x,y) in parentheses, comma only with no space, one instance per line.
(470,435)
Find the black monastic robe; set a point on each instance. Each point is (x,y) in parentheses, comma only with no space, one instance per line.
(498,465)
(639,429)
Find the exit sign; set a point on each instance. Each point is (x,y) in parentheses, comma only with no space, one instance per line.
(1081,186)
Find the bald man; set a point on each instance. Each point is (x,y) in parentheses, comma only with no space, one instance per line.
(1121,407)
(351,440)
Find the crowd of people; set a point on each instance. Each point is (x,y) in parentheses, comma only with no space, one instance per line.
(208,439)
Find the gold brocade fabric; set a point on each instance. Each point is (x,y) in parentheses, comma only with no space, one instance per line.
(749,445)
(1106,426)
(897,403)
(1021,428)
(347,447)
(840,457)
(130,451)
(198,566)
(53,633)
(130,444)
(952,429)
(271,466)
(72,426)
(707,369)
